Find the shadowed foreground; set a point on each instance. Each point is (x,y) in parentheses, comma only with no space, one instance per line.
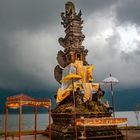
(132,135)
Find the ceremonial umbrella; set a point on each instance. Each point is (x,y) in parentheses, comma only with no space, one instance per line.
(111,81)
(72,77)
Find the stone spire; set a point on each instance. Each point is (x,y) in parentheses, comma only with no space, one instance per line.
(72,42)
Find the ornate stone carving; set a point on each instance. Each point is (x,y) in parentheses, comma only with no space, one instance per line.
(72,42)
(61,58)
(58,73)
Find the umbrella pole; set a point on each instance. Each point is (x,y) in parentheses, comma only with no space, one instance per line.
(113,105)
(74,108)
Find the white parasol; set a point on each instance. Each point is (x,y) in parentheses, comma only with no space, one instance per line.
(111,81)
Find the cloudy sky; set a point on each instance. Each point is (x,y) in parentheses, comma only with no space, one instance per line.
(29,30)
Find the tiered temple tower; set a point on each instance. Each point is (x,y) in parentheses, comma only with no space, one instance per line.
(72,42)
(78,96)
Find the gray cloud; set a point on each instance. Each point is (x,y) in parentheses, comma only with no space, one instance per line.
(105,52)
(29,15)
(28,59)
(88,6)
(28,41)
(128,12)
(132,58)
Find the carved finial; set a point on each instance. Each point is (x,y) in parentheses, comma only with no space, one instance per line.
(79,14)
(69,7)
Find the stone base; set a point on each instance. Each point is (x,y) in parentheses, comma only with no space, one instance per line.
(63,126)
(60,132)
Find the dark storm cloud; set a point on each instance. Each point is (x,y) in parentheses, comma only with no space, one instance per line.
(29,30)
(128,12)
(91,6)
(130,68)
(22,24)
(25,60)
(32,14)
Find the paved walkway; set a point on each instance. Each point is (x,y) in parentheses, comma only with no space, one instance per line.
(28,137)
(132,135)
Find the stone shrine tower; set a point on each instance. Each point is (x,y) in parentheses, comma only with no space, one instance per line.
(72,42)
(80,112)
